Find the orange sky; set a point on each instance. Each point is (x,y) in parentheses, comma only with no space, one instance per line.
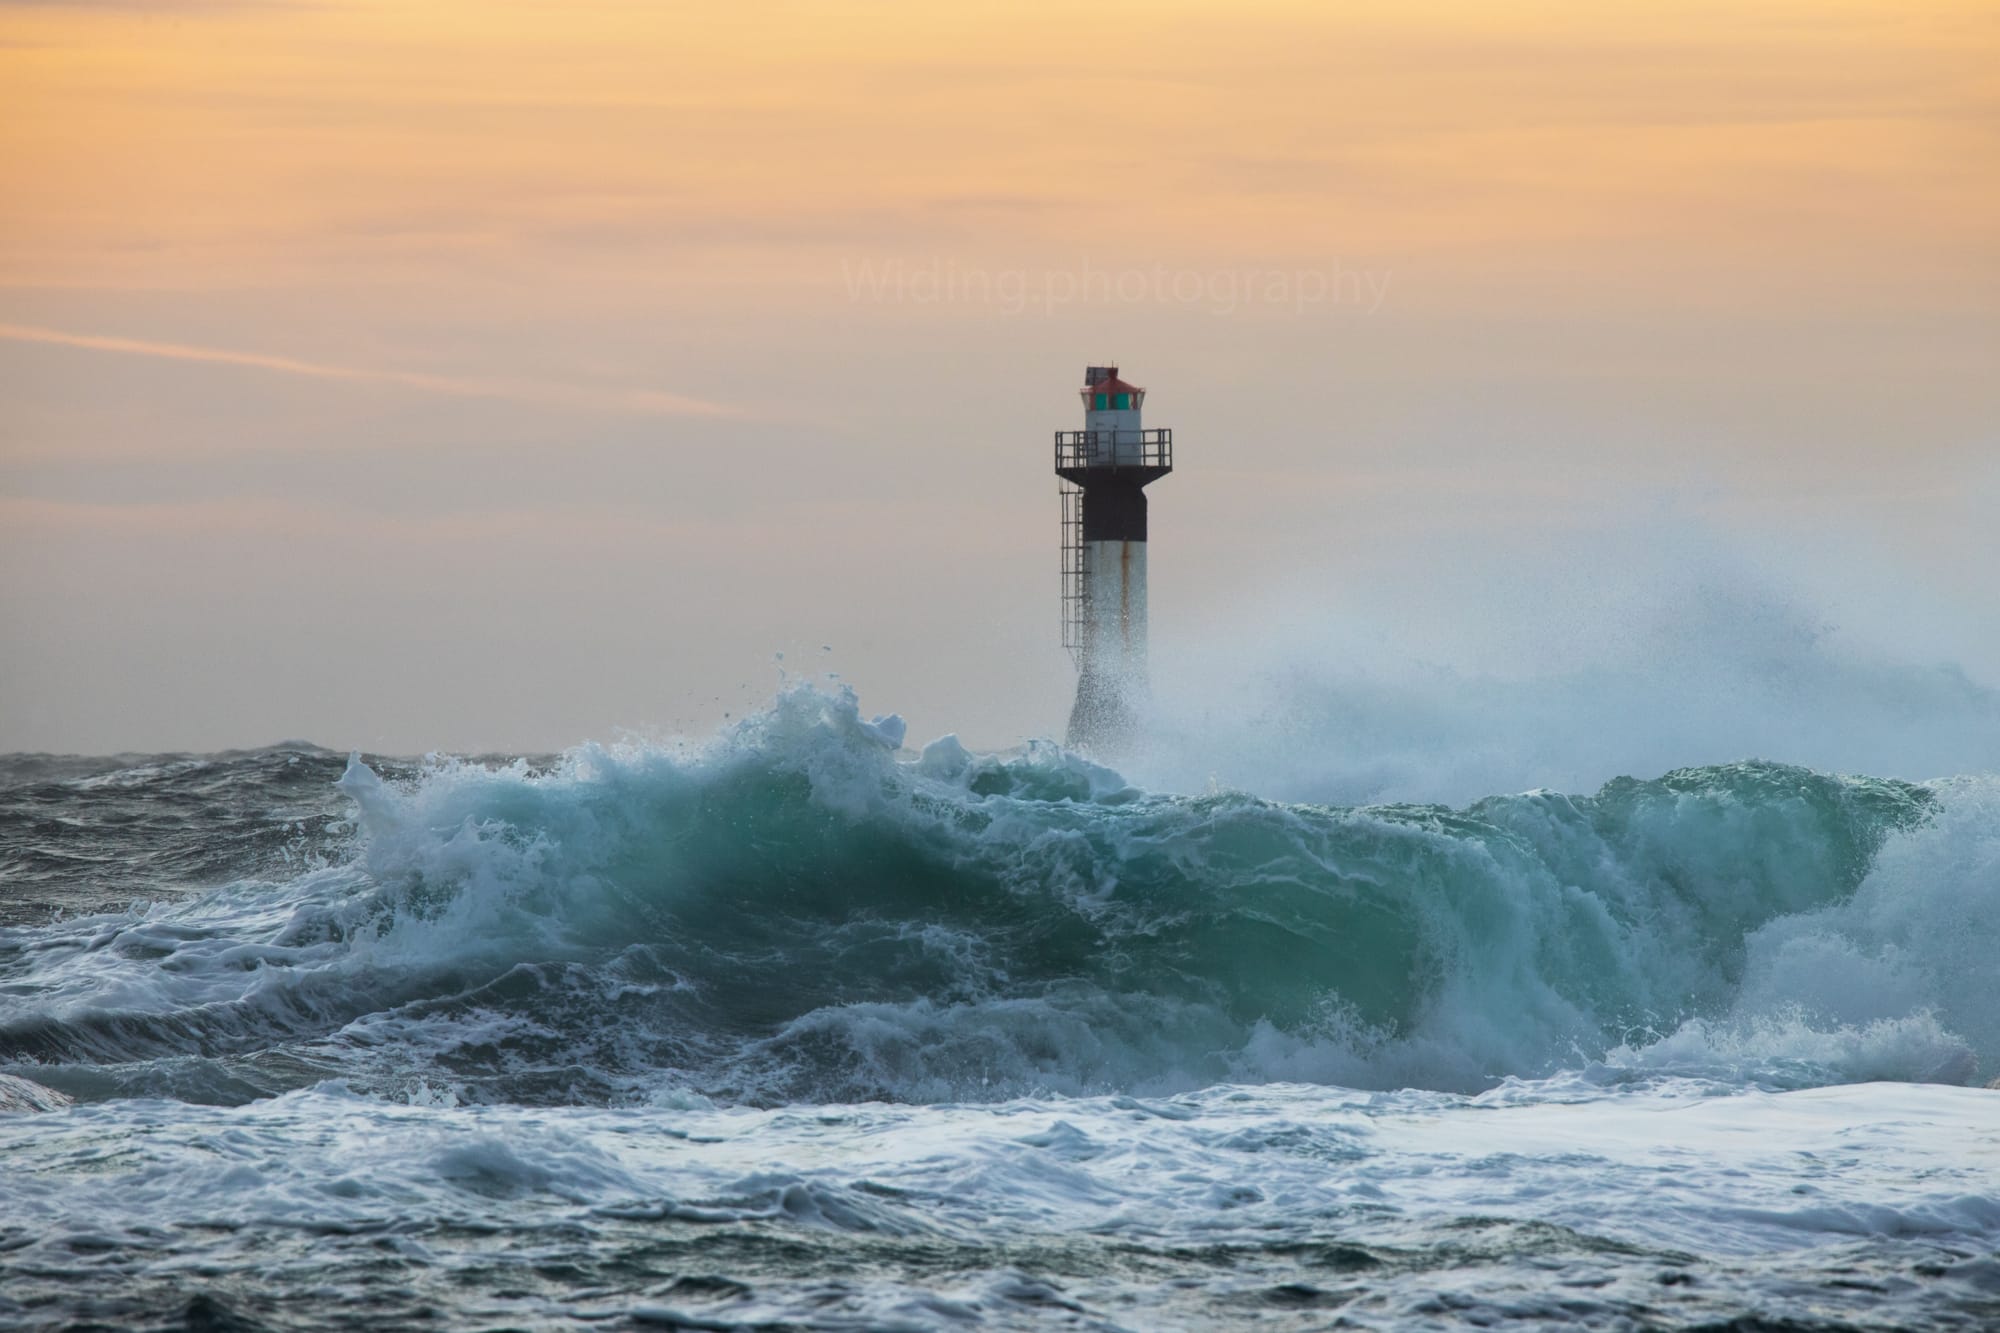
(236,234)
(722,153)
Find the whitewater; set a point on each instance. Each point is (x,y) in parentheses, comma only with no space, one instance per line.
(803,1027)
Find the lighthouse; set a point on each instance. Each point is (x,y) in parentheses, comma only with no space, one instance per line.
(1104,470)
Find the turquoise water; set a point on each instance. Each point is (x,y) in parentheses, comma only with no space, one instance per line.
(800,1028)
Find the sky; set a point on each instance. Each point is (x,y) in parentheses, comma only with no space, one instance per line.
(499,375)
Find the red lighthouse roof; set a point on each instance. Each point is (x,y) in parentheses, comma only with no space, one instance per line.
(1104,379)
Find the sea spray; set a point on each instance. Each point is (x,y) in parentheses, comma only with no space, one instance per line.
(802,911)
(1551,680)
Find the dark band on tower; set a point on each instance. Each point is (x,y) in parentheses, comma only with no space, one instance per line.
(1114,512)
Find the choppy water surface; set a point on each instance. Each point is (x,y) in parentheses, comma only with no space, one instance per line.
(801,1030)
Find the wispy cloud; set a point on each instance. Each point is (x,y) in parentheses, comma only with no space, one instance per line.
(647,402)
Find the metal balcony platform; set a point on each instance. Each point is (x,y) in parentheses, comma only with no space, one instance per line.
(1130,456)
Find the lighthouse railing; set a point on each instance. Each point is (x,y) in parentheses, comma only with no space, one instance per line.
(1115,449)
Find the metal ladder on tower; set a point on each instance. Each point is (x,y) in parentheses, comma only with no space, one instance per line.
(1073,593)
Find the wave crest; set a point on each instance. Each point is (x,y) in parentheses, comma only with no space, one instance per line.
(802,910)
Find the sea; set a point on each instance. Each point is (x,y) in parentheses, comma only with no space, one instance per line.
(803,1027)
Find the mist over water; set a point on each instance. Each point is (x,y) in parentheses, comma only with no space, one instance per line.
(1567,686)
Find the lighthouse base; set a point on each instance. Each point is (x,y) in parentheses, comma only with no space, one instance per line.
(1103,721)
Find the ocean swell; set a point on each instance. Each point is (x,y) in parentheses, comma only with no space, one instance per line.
(803,911)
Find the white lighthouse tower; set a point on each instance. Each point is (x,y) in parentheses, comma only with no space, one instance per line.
(1105,468)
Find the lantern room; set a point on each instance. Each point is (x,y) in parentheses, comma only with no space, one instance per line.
(1109,403)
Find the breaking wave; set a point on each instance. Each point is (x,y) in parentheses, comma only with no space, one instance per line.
(803,911)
